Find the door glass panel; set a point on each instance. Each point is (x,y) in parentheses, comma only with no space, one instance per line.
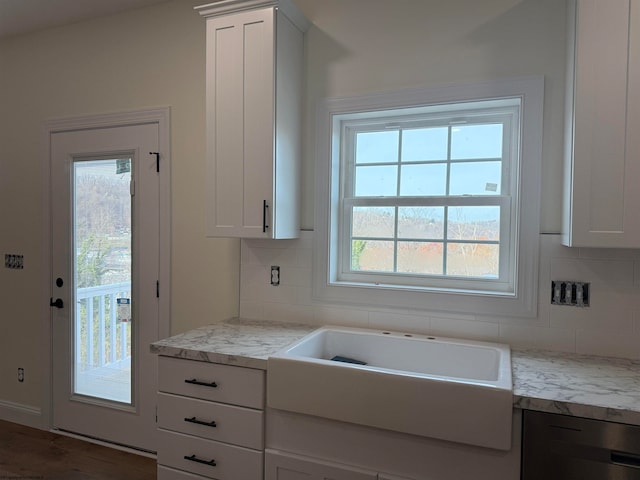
(102,273)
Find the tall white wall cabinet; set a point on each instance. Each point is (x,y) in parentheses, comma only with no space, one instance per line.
(254,99)
(602,136)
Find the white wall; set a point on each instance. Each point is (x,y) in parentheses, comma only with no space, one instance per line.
(145,58)
(610,326)
(364,46)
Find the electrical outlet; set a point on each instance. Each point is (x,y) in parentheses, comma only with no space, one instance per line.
(275,275)
(13,261)
(21,375)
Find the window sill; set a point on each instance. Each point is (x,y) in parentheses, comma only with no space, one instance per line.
(417,298)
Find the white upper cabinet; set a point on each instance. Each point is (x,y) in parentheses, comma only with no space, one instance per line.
(602,169)
(254,102)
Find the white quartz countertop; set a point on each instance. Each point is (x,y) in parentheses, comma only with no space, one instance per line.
(580,385)
(239,342)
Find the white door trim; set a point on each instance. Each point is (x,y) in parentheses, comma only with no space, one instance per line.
(161,116)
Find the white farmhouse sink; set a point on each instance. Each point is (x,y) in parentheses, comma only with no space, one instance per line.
(456,390)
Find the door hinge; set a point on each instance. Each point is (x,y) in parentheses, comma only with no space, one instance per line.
(157,154)
(157,289)
(132,187)
(156,414)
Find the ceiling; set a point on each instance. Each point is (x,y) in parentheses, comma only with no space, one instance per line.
(24,16)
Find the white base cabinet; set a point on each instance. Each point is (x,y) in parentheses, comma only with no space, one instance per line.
(602,121)
(384,476)
(207,458)
(210,421)
(312,448)
(166,473)
(287,466)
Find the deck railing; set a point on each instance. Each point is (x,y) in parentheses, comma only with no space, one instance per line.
(100,339)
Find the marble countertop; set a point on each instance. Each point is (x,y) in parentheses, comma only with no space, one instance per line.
(239,342)
(579,385)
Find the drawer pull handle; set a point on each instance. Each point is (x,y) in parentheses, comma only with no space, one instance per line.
(200,422)
(625,459)
(193,381)
(193,458)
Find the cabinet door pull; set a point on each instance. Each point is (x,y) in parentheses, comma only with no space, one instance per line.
(265,209)
(193,381)
(200,422)
(193,458)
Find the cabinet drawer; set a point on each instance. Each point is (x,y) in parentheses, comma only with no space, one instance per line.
(237,425)
(228,462)
(212,381)
(166,473)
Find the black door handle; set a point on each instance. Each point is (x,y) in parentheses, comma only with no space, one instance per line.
(58,303)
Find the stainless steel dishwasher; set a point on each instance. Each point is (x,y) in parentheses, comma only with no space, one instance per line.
(571,448)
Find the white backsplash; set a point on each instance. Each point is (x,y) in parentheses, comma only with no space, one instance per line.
(610,326)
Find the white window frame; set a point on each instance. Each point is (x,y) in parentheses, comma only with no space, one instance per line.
(515,293)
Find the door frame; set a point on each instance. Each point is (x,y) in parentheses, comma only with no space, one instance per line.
(162,117)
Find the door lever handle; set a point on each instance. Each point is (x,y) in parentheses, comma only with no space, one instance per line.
(58,303)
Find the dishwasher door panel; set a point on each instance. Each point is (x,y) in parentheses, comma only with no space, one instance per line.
(571,448)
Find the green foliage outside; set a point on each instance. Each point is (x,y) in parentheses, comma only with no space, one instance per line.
(90,262)
(357,248)
(91,266)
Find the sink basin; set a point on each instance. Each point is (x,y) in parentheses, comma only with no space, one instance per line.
(445,388)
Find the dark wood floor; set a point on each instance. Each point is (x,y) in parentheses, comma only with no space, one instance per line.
(28,453)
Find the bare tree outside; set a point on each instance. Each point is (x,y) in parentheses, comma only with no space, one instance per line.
(418,245)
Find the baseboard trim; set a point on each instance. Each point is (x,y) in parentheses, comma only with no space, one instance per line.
(104,443)
(22,414)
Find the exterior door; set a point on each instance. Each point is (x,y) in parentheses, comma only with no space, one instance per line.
(105,272)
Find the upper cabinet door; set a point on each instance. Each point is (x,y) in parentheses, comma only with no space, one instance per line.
(254,90)
(602,136)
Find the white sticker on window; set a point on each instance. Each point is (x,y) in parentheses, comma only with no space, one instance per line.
(124,309)
(123,165)
(491,187)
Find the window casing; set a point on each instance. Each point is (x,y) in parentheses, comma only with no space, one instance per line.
(415,187)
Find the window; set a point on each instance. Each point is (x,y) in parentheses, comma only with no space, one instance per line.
(427,196)
(433,198)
